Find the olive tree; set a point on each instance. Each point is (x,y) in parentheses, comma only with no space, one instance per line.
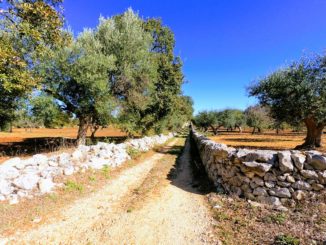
(208,119)
(232,118)
(297,94)
(258,118)
(77,76)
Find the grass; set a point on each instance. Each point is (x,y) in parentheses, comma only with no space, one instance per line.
(73,186)
(279,218)
(267,140)
(106,171)
(286,240)
(92,178)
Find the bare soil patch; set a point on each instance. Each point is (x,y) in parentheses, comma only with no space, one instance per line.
(267,140)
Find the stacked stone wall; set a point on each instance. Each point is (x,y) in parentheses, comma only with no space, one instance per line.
(272,177)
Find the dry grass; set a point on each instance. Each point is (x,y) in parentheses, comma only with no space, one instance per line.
(27,142)
(266,140)
(20,134)
(238,220)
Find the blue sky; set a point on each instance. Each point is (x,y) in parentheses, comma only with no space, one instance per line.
(225,44)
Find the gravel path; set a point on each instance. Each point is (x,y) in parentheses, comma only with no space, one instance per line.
(163,210)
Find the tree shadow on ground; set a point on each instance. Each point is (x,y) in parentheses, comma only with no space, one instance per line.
(257,140)
(188,173)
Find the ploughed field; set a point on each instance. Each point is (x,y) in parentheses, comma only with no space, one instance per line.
(268,140)
(25,142)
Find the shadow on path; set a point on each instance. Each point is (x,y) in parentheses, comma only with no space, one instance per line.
(188,172)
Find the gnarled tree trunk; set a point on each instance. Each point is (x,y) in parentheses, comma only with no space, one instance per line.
(314,134)
(214,130)
(82,130)
(239,127)
(94,130)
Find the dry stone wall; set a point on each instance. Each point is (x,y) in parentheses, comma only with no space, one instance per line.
(273,177)
(34,176)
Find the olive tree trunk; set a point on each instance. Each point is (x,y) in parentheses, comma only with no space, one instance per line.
(82,131)
(214,130)
(314,134)
(95,128)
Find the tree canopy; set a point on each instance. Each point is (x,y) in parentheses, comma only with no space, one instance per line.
(28,29)
(297,94)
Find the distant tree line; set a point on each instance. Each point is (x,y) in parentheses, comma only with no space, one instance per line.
(122,72)
(256,117)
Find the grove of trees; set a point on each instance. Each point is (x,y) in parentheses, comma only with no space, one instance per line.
(124,71)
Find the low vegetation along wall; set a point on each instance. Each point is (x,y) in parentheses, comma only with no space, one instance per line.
(34,176)
(273,177)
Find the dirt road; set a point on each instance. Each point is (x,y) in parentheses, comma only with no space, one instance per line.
(151,203)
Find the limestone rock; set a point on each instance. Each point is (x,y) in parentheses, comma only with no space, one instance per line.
(5,187)
(322,177)
(258,181)
(317,187)
(27,181)
(280,192)
(256,167)
(260,192)
(318,162)
(285,161)
(13,162)
(46,185)
(39,159)
(68,170)
(301,185)
(8,172)
(270,177)
(64,159)
(299,195)
(299,160)
(270,184)
(270,200)
(290,179)
(309,174)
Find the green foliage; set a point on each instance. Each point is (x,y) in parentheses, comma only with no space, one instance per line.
(258,117)
(169,108)
(28,29)
(297,94)
(76,76)
(47,112)
(228,118)
(92,178)
(232,118)
(206,119)
(106,171)
(279,218)
(124,72)
(286,240)
(73,186)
